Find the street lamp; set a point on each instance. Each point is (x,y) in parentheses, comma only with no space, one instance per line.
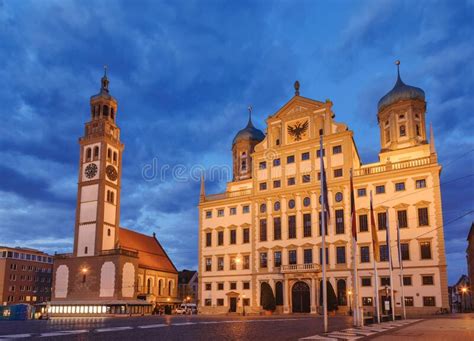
(243,304)
(349,292)
(463,299)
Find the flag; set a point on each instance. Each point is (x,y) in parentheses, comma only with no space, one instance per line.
(375,239)
(353,214)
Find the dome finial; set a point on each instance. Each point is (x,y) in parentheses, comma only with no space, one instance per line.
(297,88)
(104,81)
(249,108)
(397,63)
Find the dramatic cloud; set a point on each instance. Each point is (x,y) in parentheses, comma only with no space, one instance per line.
(184,73)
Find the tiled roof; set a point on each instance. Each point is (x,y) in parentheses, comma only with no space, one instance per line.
(185,276)
(151,254)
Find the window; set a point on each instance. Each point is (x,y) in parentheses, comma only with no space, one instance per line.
(208,214)
(208,239)
(417,130)
(306,178)
(321,132)
(291,226)
(277,228)
(263,186)
(276,162)
(318,153)
(220,212)
(402,219)
(115,157)
(220,263)
(233,236)
(233,285)
(361,192)
(364,254)
(337,149)
(245,209)
(321,256)
(233,210)
(246,264)
(339,221)
(290,159)
(276,206)
(86,250)
(263,230)
(307,225)
(382,220)
(109,154)
(292,257)
(220,286)
(367,301)
(423,216)
(263,208)
(366,281)
(383,253)
(308,256)
(277,259)
(220,301)
(379,189)
(208,264)
(405,251)
(427,280)
(109,232)
(407,280)
(208,286)
(246,285)
(403,130)
(338,173)
(291,181)
(385,281)
(409,301)
(263,165)
(88,154)
(399,186)
(207,302)
(263,260)
(246,235)
(220,238)
(305,156)
(429,301)
(276,183)
(340,254)
(246,302)
(338,197)
(363,223)
(420,183)
(306,201)
(291,204)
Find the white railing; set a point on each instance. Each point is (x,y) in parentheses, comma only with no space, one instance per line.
(311,267)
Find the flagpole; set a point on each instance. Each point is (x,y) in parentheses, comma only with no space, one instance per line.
(355,280)
(376,286)
(323,230)
(390,267)
(400,262)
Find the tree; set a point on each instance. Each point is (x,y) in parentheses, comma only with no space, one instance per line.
(267,299)
(331,296)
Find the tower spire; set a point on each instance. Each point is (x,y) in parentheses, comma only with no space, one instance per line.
(297,88)
(202,195)
(104,81)
(250,116)
(399,79)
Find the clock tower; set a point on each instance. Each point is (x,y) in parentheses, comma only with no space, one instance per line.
(98,194)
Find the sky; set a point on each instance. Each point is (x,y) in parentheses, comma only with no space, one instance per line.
(184,72)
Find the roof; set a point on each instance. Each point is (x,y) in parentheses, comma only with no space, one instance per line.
(151,254)
(471,232)
(185,276)
(249,133)
(399,92)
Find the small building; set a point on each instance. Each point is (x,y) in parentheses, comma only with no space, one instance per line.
(25,275)
(188,286)
(460,296)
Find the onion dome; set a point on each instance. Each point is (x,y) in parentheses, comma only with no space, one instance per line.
(104,87)
(400,91)
(249,133)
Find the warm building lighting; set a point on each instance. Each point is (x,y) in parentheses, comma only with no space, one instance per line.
(464,290)
(349,292)
(84,270)
(237,260)
(168,299)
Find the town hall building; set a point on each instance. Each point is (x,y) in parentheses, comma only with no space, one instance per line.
(265,229)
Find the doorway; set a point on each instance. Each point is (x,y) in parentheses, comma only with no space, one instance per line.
(300,298)
(233,304)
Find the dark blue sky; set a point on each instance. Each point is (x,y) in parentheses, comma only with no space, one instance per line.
(185,71)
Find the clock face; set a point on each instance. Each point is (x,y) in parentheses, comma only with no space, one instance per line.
(90,171)
(111,172)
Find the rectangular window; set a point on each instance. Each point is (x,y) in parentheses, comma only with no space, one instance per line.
(429,301)
(383,253)
(263,260)
(405,251)
(262,165)
(233,264)
(220,286)
(306,178)
(220,213)
(340,254)
(409,302)
(263,230)
(427,280)
(399,186)
(339,221)
(367,301)
(361,192)
(220,302)
(425,248)
(220,238)
(290,159)
(292,257)
(246,235)
(366,281)
(233,285)
(208,286)
(246,302)
(384,281)
(246,264)
(307,225)
(277,228)
(220,263)
(364,254)
(423,216)
(363,223)
(233,236)
(305,156)
(318,153)
(382,220)
(233,210)
(402,219)
(379,189)
(263,186)
(407,280)
(208,264)
(291,226)
(246,285)
(337,149)
(246,209)
(291,181)
(208,214)
(321,256)
(209,239)
(308,256)
(276,183)
(338,173)
(420,183)
(277,259)
(276,162)
(207,302)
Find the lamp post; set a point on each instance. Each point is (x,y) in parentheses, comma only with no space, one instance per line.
(243,304)
(349,292)
(463,299)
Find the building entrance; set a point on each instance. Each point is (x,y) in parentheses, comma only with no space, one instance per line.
(300,298)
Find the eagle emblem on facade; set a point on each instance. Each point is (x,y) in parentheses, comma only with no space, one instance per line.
(297,130)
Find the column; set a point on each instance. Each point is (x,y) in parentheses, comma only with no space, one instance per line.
(313,295)
(286,291)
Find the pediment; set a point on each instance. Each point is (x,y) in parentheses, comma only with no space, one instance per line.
(296,106)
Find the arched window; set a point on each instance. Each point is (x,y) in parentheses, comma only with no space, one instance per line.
(109,154)
(418,130)
(96,152)
(97,111)
(263,208)
(108,196)
(88,154)
(159,287)
(279,293)
(112,113)
(105,111)
(115,157)
(244,165)
(148,286)
(387,135)
(108,232)
(341,292)
(169,288)
(112,197)
(403,130)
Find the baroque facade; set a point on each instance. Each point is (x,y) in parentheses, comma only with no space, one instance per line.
(112,270)
(265,228)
